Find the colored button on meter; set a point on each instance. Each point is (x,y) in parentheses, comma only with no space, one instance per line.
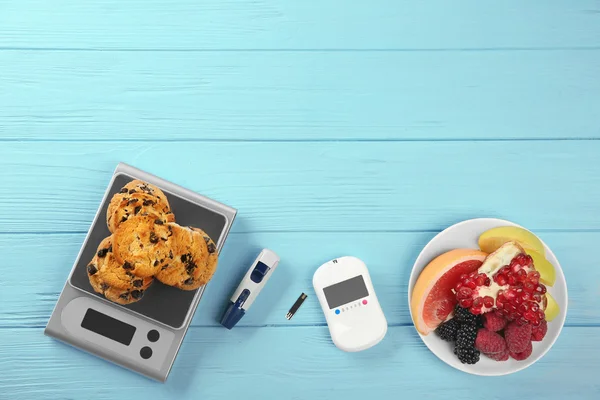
(364,302)
(337,311)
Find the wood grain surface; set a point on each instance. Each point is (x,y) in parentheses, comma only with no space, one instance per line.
(334,128)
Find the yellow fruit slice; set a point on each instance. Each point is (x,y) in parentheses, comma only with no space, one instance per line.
(552,309)
(544,267)
(492,239)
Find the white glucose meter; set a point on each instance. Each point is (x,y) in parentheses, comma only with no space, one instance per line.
(355,319)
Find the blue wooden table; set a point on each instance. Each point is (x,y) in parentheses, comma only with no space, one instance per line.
(334,127)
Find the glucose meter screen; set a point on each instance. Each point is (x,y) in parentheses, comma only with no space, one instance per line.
(346,291)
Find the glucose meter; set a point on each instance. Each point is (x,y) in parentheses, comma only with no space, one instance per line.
(355,319)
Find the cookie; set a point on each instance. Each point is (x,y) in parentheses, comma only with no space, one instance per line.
(108,277)
(137,198)
(212,259)
(142,245)
(186,268)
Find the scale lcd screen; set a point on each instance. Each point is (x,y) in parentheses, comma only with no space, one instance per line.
(346,291)
(108,327)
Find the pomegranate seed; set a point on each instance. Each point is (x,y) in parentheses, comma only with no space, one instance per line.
(465,303)
(475,311)
(530,315)
(541,315)
(512,280)
(487,282)
(523,308)
(499,304)
(478,302)
(529,287)
(510,294)
(463,277)
(534,307)
(488,301)
(501,280)
(528,260)
(464,293)
(541,289)
(537,297)
(526,296)
(537,322)
(470,284)
(458,286)
(533,277)
(510,308)
(522,275)
(518,300)
(480,280)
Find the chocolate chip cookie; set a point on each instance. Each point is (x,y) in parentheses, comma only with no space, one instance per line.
(142,244)
(108,277)
(212,260)
(187,262)
(137,198)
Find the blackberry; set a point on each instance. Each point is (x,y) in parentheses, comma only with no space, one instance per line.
(467,355)
(447,330)
(464,316)
(465,343)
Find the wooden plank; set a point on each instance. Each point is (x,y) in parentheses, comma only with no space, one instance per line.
(298,363)
(276,24)
(56,186)
(28,301)
(299,96)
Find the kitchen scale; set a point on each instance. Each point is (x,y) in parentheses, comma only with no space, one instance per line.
(145,336)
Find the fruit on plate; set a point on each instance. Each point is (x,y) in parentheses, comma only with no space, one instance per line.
(552,308)
(506,281)
(432,298)
(544,267)
(492,239)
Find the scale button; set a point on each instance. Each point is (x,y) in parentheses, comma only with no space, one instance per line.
(153,335)
(337,311)
(146,352)
(364,301)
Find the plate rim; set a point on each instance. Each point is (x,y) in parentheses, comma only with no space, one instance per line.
(498,222)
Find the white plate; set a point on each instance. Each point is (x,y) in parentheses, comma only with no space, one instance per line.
(465,235)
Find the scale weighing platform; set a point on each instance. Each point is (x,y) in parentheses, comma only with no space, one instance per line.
(145,336)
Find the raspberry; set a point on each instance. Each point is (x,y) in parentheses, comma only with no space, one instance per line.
(538,332)
(490,343)
(518,337)
(499,356)
(524,354)
(493,321)
(447,330)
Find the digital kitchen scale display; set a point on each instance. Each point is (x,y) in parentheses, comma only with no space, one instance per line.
(144,336)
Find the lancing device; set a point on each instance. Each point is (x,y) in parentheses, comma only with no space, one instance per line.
(255,279)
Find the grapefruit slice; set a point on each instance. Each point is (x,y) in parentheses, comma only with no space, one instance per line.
(432,299)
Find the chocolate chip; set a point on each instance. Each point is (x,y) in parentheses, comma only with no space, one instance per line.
(138,283)
(124,190)
(184,258)
(102,252)
(153,238)
(137,294)
(165,267)
(127,266)
(124,295)
(211,248)
(148,202)
(171,254)
(188,281)
(92,269)
(156,263)
(137,209)
(132,201)
(190,267)
(104,286)
(162,260)
(124,218)
(158,221)
(131,191)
